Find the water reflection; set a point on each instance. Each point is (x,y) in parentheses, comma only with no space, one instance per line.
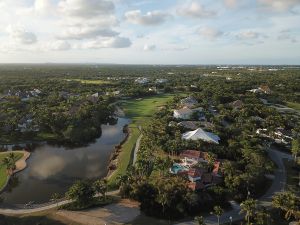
(52,169)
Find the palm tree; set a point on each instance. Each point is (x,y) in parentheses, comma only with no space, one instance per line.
(13,160)
(100,186)
(211,158)
(7,163)
(287,202)
(218,211)
(249,208)
(55,197)
(200,220)
(262,217)
(295,148)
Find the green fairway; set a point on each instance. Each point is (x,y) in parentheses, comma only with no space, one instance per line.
(140,112)
(91,81)
(294,105)
(3,172)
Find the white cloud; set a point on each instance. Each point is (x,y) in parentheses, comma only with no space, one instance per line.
(39,8)
(86,8)
(246,35)
(148,47)
(59,45)
(20,35)
(114,42)
(210,33)
(79,32)
(194,9)
(231,3)
(150,18)
(279,5)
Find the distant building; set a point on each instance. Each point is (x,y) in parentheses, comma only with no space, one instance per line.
(189,102)
(142,80)
(161,81)
(262,89)
(238,104)
(183,113)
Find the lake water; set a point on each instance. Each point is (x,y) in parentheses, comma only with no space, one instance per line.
(54,169)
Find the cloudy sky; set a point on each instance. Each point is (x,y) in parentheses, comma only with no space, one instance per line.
(150,31)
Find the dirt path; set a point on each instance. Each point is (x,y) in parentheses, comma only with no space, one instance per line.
(21,163)
(119,213)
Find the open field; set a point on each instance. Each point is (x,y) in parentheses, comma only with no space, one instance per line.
(140,112)
(3,173)
(98,82)
(294,105)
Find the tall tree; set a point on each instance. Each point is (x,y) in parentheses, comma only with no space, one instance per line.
(249,208)
(218,211)
(100,186)
(81,192)
(295,148)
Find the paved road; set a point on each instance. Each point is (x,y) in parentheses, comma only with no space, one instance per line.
(43,208)
(137,146)
(266,200)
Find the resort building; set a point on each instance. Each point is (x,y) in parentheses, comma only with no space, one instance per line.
(142,80)
(183,113)
(189,102)
(198,177)
(200,134)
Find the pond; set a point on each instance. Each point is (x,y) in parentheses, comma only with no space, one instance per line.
(53,169)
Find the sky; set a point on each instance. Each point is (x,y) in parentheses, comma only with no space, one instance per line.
(150,31)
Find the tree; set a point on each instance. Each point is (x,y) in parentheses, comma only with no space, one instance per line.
(249,208)
(295,148)
(81,192)
(200,220)
(55,197)
(218,211)
(100,186)
(262,217)
(211,158)
(10,163)
(288,203)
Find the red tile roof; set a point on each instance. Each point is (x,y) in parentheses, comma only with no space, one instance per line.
(195,154)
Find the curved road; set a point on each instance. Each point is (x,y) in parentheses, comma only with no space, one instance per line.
(43,208)
(137,146)
(278,185)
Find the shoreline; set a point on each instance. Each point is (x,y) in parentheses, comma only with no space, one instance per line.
(115,155)
(21,164)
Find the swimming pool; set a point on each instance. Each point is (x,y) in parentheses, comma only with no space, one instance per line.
(177,168)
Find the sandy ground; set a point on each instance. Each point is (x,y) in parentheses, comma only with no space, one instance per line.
(21,163)
(119,213)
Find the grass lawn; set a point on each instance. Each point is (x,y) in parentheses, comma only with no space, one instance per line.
(3,173)
(98,82)
(293,105)
(140,112)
